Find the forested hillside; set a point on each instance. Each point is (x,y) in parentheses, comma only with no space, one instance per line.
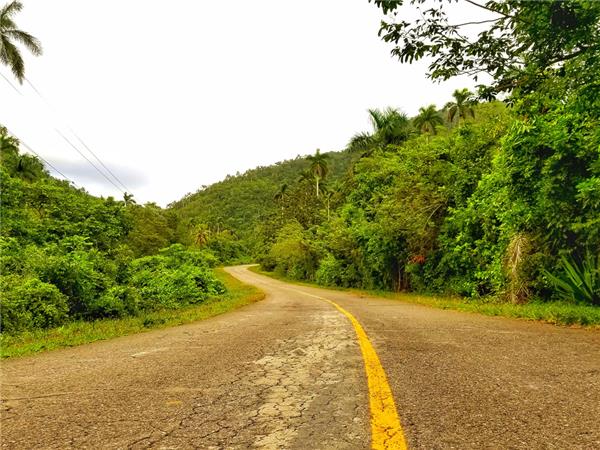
(233,217)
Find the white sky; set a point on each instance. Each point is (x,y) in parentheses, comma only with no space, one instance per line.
(176,94)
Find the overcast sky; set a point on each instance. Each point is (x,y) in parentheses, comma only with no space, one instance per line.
(172,95)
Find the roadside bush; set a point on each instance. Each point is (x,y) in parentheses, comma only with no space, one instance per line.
(81,275)
(226,247)
(28,303)
(330,272)
(293,254)
(118,301)
(267,262)
(11,259)
(173,278)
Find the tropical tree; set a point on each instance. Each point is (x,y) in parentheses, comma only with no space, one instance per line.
(361,143)
(281,195)
(9,35)
(327,196)
(29,168)
(201,235)
(390,127)
(318,167)
(520,44)
(428,119)
(128,199)
(305,175)
(461,107)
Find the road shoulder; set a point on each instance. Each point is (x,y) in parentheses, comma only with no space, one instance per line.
(555,313)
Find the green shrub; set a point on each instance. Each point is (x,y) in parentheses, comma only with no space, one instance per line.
(173,278)
(118,301)
(330,272)
(28,303)
(293,253)
(83,275)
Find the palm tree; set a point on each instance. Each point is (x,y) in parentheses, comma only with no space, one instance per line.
(318,167)
(29,168)
(201,235)
(327,196)
(361,143)
(128,199)
(9,34)
(390,127)
(281,195)
(462,106)
(305,175)
(428,119)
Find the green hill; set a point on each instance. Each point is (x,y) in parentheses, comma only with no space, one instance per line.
(232,210)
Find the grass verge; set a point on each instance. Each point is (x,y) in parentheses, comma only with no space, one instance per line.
(557,313)
(76,333)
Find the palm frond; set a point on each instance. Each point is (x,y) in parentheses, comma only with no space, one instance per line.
(377,119)
(30,42)
(427,119)
(10,8)
(10,55)
(360,142)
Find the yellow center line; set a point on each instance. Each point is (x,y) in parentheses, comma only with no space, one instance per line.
(386,430)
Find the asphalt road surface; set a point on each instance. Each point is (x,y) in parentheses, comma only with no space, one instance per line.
(288,372)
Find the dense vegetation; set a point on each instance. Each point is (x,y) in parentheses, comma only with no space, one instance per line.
(481,198)
(66,255)
(449,202)
(238,217)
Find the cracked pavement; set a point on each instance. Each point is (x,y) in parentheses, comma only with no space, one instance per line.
(287,372)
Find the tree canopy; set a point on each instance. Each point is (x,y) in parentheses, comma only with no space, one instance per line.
(523,42)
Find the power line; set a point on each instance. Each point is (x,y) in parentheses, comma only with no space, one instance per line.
(82,142)
(11,85)
(40,156)
(71,143)
(88,160)
(99,160)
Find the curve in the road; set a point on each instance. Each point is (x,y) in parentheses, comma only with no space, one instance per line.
(287,373)
(386,429)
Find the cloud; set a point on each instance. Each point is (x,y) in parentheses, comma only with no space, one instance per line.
(83,173)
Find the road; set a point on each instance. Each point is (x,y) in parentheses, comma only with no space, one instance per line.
(288,372)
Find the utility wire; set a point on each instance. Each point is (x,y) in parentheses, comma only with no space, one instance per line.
(82,143)
(11,85)
(88,160)
(42,158)
(99,160)
(71,143)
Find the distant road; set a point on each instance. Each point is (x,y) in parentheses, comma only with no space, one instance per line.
(289,372)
